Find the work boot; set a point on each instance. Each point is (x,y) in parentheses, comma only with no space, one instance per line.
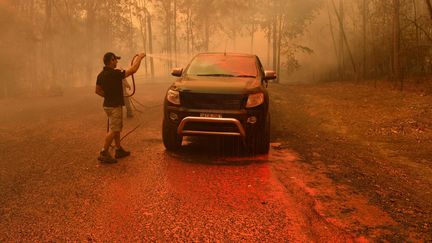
(121,153)
(105,157)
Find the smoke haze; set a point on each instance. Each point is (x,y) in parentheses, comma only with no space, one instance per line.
(49,44)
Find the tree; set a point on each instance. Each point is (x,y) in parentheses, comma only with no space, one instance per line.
(186,8)
(400,23)
(288,20)
(396,44)
(146,32)
(343,42)
(365,14)
(429,5)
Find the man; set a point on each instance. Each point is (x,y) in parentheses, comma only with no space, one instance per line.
(109,85)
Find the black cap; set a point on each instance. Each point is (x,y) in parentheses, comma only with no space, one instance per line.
(108,56)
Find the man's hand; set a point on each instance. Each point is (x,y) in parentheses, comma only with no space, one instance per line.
(99,91)
(135,65)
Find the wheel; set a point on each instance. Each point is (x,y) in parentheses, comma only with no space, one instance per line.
(263,144)
(171,140)
(258,141)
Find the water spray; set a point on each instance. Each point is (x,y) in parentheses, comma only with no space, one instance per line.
(181,58)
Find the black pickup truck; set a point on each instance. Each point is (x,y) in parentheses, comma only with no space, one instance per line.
(219,94)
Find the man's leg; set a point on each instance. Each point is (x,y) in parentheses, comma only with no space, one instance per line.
(104,155)
(117,139)
(119,152)
(108,140)
(117,126)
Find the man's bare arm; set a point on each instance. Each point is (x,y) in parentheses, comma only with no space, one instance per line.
(135,65)
(99,91)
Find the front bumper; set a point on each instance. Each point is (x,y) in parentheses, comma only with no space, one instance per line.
(190,122)
(192,119)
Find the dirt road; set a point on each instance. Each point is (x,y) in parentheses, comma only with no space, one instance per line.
(53,188)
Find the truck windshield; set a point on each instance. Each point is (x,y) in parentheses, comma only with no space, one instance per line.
(223,66)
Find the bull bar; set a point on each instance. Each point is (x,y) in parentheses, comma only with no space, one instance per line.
(180,130)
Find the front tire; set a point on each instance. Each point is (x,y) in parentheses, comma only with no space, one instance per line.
(171,140)
(258,141)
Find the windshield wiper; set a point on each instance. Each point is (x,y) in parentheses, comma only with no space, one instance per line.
(245,76)
(227,75)
(217,75)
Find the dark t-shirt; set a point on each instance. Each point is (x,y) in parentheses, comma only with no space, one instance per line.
(111,82)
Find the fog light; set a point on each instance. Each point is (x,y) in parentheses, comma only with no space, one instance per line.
(173,116)
(252,120)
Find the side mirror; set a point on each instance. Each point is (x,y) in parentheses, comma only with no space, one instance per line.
(177,72)
(269,75)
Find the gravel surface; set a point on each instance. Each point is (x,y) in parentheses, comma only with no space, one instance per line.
(53,188)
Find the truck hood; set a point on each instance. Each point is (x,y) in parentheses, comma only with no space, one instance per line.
(216,85)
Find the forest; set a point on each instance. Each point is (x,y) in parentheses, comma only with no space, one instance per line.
(47,44)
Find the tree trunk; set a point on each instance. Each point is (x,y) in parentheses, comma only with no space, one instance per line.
(192,35)
(206,33)
(188,26)
(396,44)
(341,40)
(252,38)
(35,65)
(192,38)
(168,34)
(345,39)
(49,62)
(274,35)
(143,31)
(234,31)
(279,49)
(90,30)
(365,13)
(417,50)
(147,35)
(150,43)
(428,2)
(252,32)
(175,32)
(332,35)
(131,28)
(269,43)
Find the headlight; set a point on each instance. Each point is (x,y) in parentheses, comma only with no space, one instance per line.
(255,100)
(173,97)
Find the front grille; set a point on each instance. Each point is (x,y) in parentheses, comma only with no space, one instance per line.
(211,127)
(212,101)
